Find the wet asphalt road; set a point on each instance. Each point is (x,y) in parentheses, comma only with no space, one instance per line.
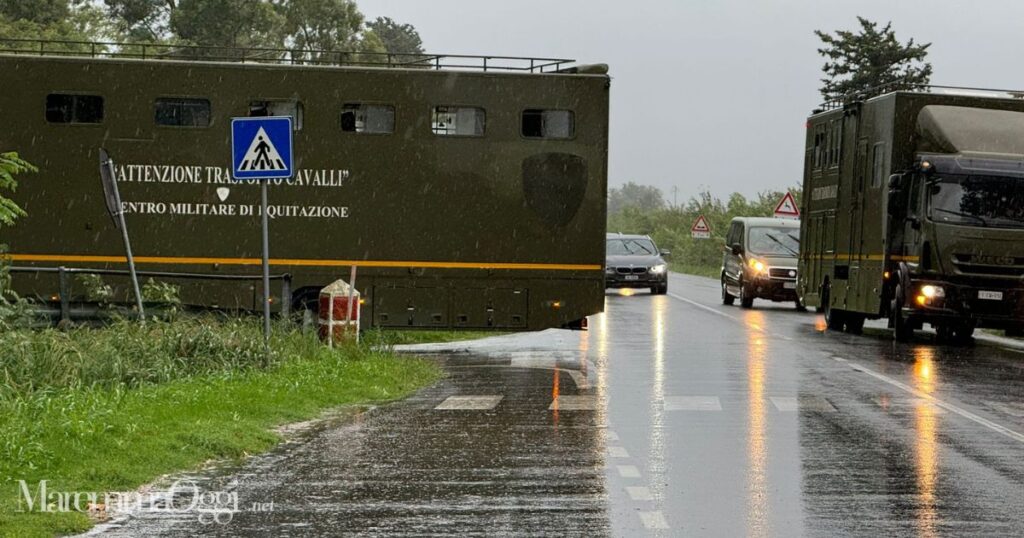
(672,416)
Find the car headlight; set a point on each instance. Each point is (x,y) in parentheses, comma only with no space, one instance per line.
(758,266)
(658,269)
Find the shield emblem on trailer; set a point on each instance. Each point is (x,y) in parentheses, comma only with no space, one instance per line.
(554,185)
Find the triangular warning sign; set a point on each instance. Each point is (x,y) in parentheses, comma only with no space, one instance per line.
(787,207)
(700,228)
(262,155)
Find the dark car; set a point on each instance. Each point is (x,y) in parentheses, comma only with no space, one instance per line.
(633,261)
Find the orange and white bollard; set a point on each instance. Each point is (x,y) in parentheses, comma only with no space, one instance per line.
(339,313)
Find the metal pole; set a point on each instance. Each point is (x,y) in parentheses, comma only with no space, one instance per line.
(65,294)
(266,264)
(351,295)
(127,243)
(131,266)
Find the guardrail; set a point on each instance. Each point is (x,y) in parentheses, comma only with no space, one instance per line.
(895,86)
(280,56)
(64,282)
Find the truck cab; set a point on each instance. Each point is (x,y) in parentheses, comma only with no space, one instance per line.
(913,210)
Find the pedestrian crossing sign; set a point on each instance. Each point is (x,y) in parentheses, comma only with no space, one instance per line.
(261,148)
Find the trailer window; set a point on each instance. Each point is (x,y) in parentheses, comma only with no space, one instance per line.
(282,107)
(369,119)
(554,124)
(182,112)
(73,108)
(878,165)
(458,121)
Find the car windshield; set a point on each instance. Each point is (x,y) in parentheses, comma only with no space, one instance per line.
(978,200)
(628,247)
(774,241)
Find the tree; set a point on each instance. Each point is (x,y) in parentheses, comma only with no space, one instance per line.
(227,23)
(397,38)
(10,166)
(326,25)
(643,197)
(52,20)
(857,62)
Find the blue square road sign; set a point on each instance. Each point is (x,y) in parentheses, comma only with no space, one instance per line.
(261,148)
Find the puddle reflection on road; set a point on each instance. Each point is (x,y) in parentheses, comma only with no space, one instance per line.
(757,449)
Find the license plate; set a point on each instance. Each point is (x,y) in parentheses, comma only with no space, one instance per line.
(789,285)
(991,295)
(632,277)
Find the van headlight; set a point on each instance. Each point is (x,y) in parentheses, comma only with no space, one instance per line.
(758,266)
(658,269)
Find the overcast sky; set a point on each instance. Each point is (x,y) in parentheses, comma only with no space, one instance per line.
(715,93)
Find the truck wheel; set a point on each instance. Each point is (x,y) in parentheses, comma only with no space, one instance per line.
(854,323)
(727,298)
(746,298)
(902,328)
(833,318)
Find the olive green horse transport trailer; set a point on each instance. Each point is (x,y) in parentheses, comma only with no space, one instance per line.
(914,211)
(470,192)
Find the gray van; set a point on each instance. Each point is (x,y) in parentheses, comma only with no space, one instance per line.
(760,261)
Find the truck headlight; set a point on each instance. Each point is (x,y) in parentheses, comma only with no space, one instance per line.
(931,292)
(658,269)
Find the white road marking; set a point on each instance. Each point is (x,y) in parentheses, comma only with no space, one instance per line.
(617,452)
(727,316)
(469,403)
(640,493)
(703,307)
(611,436)
(628,471)
(790,404)
(908,404)
(653,520)
(581,380)
(693,403)
(785,403)
(998,428)
(574,403)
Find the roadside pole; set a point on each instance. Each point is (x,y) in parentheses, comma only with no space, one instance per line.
(112,197)
(261,149)
(266,263)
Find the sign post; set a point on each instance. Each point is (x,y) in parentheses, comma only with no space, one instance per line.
(700,229)
(261,149)
(113,198)
(786,208)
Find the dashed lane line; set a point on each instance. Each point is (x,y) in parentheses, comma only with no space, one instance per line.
(628,471)
(639,493)
(469,403)
(653,520)
(618,452)
(706,308)
(998,428)
(693,403)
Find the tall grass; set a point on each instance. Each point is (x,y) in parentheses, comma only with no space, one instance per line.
(127,354)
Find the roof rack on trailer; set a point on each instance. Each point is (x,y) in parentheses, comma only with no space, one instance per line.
(901,86)
(282,56)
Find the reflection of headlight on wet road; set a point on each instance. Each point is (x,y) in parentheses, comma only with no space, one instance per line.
(658,269)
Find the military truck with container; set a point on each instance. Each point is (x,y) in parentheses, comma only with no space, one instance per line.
(469,191)
(913,210)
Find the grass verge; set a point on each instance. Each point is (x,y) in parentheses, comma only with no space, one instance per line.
(142,402)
